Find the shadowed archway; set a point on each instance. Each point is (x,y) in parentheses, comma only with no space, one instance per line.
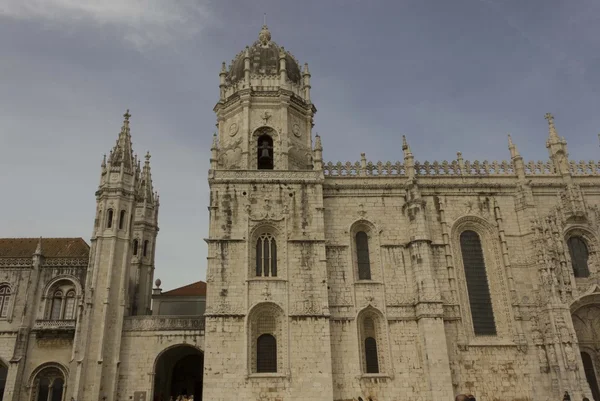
(178,371)
(586,321)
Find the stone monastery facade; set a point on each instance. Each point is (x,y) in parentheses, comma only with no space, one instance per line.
(328,281)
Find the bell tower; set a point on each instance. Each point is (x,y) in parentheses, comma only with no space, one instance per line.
(267,312)
(264,113)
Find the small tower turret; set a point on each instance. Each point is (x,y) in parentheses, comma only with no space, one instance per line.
(557,148)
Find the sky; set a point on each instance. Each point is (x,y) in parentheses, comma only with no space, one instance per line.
(450,75)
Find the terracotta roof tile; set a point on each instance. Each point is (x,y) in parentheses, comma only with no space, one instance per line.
(195,289)
(51,247)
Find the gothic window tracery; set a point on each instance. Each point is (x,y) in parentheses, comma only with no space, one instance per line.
(266,256)
(48,385)
(5,296)
(480,300)
(266,339)
(62,301)
(362,255)
(579,256)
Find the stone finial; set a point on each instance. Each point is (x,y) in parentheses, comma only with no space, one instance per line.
(318,145)
(127,115)
(265,35)
(514,152)
(306,71)
(551,128)
(214,145)
(157,283)
(223,67)
(103,161)
(147,157)
(38,249)
(405,146)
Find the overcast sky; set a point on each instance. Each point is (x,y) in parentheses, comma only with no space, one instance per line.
(450,75)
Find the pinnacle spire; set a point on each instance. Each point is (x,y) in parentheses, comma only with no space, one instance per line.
(553,135)
(405,146)
(145,190)
(514,152)
(122,153)
(318,144)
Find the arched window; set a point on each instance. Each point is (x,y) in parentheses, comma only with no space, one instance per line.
(371,355)
(69,313)
(146,248)
(56,309)
(264,155)
(590,374)
(579,256)
(370,338)
(477,284)
(362,256)
(109,218)
(62,302)
(49,385)
(266,354)
(4,300)
(135,247)
(122,220)
(266,256)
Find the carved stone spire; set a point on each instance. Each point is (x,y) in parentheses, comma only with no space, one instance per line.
(409,161)
(514,152)
(122,153)
(553,136)
(517,160)
(146,191)
(318,154)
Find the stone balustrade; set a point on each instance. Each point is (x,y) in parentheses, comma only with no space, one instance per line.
(164,323)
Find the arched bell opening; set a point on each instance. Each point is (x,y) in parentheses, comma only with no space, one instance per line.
(265,152)
(178,371)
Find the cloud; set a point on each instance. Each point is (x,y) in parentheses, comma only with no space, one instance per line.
(140,22)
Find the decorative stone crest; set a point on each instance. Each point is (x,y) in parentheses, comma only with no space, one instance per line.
(264,36)
(233,129)
(296,130)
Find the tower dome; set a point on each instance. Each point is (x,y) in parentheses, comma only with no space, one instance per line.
(264,60)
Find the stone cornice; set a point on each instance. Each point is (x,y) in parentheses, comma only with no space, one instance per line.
(265,176)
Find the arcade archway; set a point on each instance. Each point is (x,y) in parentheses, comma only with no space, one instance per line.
(178,371)
(586,320)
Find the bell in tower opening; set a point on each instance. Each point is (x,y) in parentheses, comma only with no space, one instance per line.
(265,152)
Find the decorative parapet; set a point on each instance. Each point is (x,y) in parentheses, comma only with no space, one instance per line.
(16,262)
(163,323)
(584,168)
(54,325)
(48,262)
(378,169)
(456,168)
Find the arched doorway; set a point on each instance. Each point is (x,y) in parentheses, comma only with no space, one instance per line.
(178,371)
(586,320)
(3,374)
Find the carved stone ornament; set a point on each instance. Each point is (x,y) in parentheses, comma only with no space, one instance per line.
(296,130)
(233,129)
(265,208)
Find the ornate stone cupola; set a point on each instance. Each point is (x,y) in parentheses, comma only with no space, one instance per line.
(264,114)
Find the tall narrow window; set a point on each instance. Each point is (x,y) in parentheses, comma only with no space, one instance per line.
(122,220)
(266,256)
(579,256)
(4,300)
(590,374)
(70,306)
(135,247)
(49,385)
(265,152)
(371,355)
(477,284)
(362,256)
(146,248)
(109,218)
(56,309)
(266,354)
